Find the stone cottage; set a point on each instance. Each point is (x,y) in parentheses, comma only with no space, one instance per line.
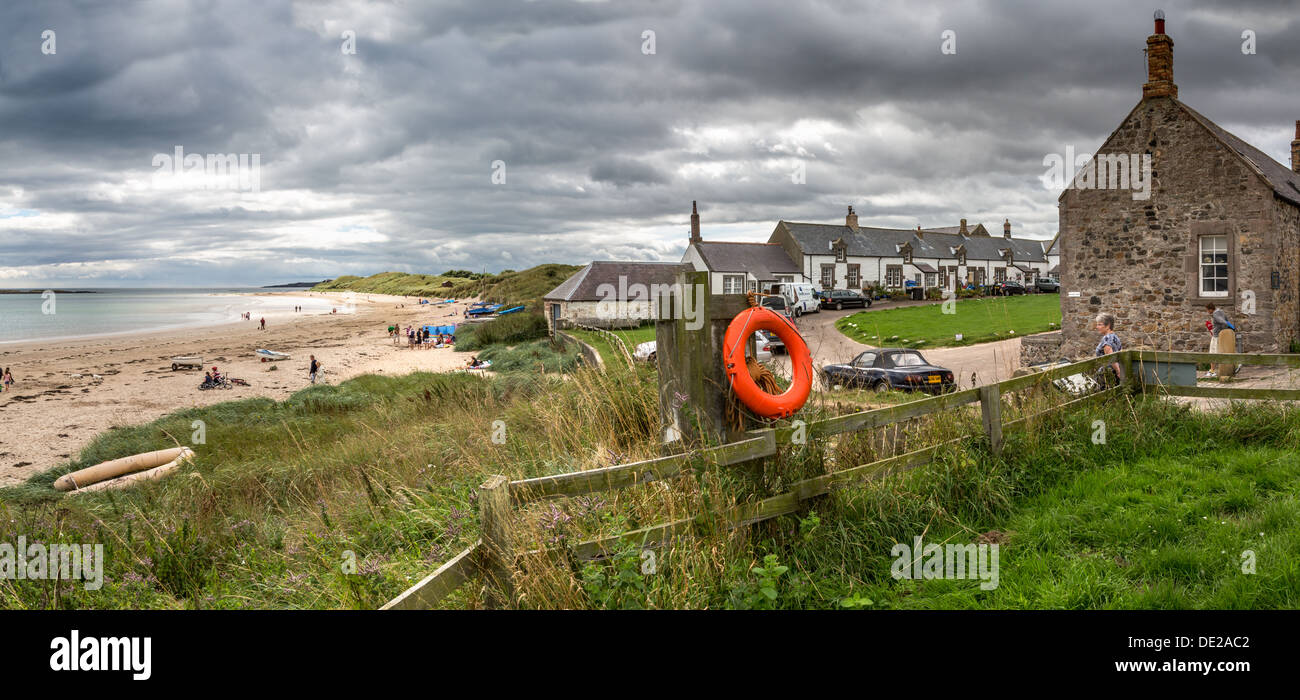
(1219,222)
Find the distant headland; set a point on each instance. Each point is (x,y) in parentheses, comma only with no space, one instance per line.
(295,285)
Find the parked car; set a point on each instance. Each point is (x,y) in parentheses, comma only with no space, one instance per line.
(1047,284)
(839,298)
(778,304)
(890,368)
(647,351)
(1009,288)
(801,298)
(774,342)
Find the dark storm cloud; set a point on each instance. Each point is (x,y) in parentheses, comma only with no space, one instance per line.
(385,159)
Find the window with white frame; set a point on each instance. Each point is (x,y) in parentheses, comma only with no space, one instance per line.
(855,276)
(733,284)
(893,276)
(1214,266)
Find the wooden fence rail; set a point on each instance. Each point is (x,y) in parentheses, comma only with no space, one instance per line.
(493,559)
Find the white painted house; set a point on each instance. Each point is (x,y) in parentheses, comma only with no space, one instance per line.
(849,256)
(735,267)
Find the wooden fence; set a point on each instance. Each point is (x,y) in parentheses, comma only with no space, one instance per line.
(614,340)
(493,556)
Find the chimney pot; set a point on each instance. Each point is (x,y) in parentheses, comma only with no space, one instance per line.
(851,219)
(1295,149)
(1160,63)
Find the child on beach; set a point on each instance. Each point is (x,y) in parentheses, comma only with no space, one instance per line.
(6,381)
(315,367)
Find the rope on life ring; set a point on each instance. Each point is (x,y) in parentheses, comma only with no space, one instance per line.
(734,363)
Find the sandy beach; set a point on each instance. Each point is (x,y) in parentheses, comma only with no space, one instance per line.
(69,391)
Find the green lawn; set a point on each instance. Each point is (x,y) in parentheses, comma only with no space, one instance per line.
(978,320)
(631,338)
(1171,531)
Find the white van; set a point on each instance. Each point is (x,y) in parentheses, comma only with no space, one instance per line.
(802,298)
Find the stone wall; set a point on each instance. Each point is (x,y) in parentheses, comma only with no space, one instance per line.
(1042,347)
(1137,259)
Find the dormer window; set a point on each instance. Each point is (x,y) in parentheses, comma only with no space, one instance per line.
(841,251)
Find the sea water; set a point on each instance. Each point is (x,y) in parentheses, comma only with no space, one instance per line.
(119,311)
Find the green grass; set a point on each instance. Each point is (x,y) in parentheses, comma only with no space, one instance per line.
(382,471)
(631,337)
(978,320)
(509,287)
(1169,531)
(508,330)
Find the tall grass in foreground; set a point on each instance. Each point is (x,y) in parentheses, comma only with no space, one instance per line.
(342,496)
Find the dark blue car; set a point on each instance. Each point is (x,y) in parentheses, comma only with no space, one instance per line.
(890,368)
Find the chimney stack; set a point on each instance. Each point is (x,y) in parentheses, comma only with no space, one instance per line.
(1295,149)
(1006,228)
(695,224)
(1160,63)
(919,233)
(963,230)
(852,219)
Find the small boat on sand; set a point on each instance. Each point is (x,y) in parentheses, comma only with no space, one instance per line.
(271,355)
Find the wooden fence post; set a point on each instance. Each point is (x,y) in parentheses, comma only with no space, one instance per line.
(494,517)
(692,381)
(991,406)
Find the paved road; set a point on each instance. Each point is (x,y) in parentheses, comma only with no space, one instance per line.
(989,362)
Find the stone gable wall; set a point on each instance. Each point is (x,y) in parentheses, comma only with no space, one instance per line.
(1137,259)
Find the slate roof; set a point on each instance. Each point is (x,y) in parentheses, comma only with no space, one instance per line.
(583,284)
(1285,183)
(816,239)
(762,260)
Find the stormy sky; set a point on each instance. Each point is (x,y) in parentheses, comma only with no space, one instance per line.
(501,134)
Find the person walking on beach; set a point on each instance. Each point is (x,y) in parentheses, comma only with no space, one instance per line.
(315,367)
(6,381)
(1109,345)
(263,323)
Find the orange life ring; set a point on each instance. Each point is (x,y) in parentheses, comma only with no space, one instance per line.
(733,361)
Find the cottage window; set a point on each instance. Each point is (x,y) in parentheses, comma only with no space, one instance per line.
(733,284)
(828,277)
(999,274)
(1214,266)
(841,253)
(855,276)
(929,280)
(893,276)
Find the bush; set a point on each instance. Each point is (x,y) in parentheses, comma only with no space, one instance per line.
(545,355)
(506,330)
